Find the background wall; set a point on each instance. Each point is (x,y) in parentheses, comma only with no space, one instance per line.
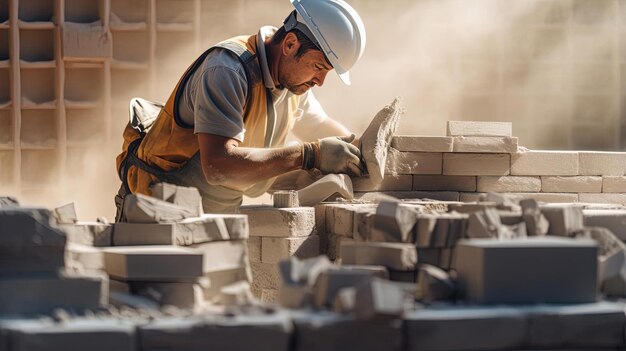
(555,68)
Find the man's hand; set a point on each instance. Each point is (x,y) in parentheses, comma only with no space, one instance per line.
(336,155)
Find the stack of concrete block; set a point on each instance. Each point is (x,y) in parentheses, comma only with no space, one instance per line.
(160,232)
(277,234)
(479,157)
(34,278)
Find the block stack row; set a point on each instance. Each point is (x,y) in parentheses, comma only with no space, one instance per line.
(277,234)
(480,157)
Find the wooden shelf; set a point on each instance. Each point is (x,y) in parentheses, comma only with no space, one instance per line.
(37,64)
(36,147)
(117,64)
(5,63)
(128,27)
(82,105)
(175,27)
(5,105)
(31,105)
(35,25)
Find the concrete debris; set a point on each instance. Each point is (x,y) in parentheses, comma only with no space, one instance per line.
(237,294)
(555,270)
(536,222)
(66,214)
(435,284)
(140,208)
(345,300)
(394,222)
(486,224)
(398,256)
(286,199)
(564,220)
(154,263)
(380,298)
(375,141)
(186,197)
(9,201)
(330,282)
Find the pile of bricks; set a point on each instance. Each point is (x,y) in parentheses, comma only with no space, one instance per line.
(479,157)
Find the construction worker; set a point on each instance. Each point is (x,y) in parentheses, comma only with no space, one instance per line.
(224,127)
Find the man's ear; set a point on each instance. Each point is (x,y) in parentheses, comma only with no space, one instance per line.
(290,44)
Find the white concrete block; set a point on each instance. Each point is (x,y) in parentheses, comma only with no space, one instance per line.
(508,184)
(545,163)
(614,220)
(444,183)
(339,219)
(82,257)
(275,250)
(485,144)
(390,183)
(218,279)
(475,128)
(419,143)
(88,233)
(608,198)
(574,184)
(153,263)
(413,162)
(254,248)
(603,163)
(223,255)
(397,256)
(280,222)
(613,185)
(476,164)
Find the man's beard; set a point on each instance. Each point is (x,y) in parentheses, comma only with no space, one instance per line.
(297,89)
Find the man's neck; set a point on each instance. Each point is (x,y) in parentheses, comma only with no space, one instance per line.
(273,55)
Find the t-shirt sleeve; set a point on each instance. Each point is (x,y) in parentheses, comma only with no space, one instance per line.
(313,115)
(218,102)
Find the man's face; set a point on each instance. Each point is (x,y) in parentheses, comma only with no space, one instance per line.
(299,74)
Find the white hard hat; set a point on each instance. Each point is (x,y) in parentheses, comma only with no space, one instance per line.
(337,30)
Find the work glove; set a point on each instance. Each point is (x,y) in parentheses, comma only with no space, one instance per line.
(333,155)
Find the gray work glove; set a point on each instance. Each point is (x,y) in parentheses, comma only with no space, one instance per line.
(333,155)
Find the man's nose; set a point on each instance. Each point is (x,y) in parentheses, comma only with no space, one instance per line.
(319,78)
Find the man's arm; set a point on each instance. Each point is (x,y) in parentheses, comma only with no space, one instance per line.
(224,162)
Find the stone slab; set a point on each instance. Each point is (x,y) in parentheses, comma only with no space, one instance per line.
(186,197)
(82,257)
(139,208)
(508,184)
(398,256)
(420,143)
(564,220)
(444,183)
(414,162)
(555,270)
(454,328)
(31,295)
(613,184)
(602,163)
(339,219)
(217,279)
(545,163)
(388,183)
(607,198)
(485,144)
(280,222)
(614,220)
(153,263)
(574,184)
(275,250)
(221,255)
(472,164)
(478,128)
(234,331)
(88,233)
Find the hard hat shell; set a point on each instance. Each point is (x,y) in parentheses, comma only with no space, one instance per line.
(337,28)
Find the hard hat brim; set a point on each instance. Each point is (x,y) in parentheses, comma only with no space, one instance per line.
(345,77)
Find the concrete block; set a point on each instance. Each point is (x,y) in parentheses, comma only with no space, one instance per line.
(545,163)
(381,298)
(269,296)
(413,195)
(614,220)
(334,246)
(295,296)
(476,164)
(217,279)
(363,223)
(414,162)
(606,198)
(339,219)
(178,294)
(277,249)
(419,143)
(425,235)
(77,333)
(575,184)
(86,41)
(186,197)
(88,233)
(398,256)
(66,214)
(139,208)
(485,224)
(602,163)
(318,331)
(536,223)
(475,128)
(286,199)
(280,222)
(376,271)
(444,183)
(485,144)
(154,263)
(611,184)
(42,294)
(435,284)
(594,325)
(564,220)
(222,255)
(264,276)
(330,282)
(508,184)
(82,257)
(238,294)
(471,197)
(254,248)
(231,331)
(611,260)
(544,197)
(393,222)
(484,328)
(389,183)
(431,256)
(555,270)
(303,272)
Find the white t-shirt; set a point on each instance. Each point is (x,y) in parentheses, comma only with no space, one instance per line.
(213,97)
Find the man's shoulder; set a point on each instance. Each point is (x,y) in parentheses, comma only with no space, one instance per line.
(223,58)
